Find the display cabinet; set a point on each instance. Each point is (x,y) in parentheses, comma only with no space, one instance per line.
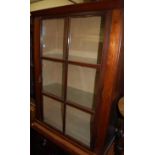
(78,73)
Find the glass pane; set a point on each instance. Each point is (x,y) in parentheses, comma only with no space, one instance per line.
(81,85)
(78,125)
(52,112)
(52,38)
(86,39)
(52,77)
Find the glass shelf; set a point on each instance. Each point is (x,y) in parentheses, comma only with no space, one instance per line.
(81,58)
(82,98)
(53,54)
(55,89)
(75,58)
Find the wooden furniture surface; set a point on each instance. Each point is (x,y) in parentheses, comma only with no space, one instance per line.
(109,80)
(32,110)
(39,145)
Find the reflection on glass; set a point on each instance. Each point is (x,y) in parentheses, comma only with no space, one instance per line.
(52,112)
(85,39)
(81,85)
(52,77)
(52,38)
(78,125)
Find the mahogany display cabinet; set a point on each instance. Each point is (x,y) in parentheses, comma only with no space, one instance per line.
(78,72)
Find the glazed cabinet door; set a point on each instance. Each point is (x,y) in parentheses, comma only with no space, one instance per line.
(52,37)
(71,54)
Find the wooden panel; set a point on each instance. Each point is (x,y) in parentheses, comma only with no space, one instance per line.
(37,67)
(110,74)
(32,111)
(61,141)
(39,145)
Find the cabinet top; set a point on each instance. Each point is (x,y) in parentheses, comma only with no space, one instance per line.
(84,7)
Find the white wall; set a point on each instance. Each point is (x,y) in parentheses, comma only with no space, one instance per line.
(48,4)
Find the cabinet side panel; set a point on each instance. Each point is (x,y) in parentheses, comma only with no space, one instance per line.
(37,67)
(110,76)
(118,92)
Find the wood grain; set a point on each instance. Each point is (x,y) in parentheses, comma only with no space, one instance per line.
(109,78)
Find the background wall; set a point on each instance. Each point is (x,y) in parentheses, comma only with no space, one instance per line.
(50,3)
